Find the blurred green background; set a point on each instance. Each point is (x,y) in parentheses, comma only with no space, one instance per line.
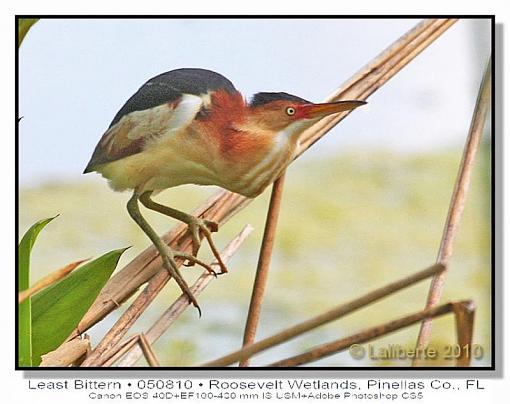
(348,224)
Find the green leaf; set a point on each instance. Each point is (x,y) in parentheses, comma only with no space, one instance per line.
(24,309)
(24,25)
(57,310)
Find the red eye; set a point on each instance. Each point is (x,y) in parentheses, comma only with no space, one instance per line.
(290,111)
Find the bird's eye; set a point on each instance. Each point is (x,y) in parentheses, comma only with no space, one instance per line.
(290,111)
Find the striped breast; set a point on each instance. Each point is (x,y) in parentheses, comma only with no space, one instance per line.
(263,172)
(257,160)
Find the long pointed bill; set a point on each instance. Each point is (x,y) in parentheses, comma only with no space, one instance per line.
(314,111)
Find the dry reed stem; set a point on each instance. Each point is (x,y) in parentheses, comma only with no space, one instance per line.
(66,354)
(107,346)
(121,349)
(176,309)
(148,352)
(225,204)
(328,316)
(125,321)
(48,280)
(367,335)
(458,200)
(266,249)
(464,321)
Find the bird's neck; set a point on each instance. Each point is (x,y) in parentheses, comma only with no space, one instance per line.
(249,143)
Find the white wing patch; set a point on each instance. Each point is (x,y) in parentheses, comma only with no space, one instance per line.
(153,123)
(162,120)
(184,113)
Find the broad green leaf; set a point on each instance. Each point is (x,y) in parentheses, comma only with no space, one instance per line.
(24,321)
(57,310)
(24,25)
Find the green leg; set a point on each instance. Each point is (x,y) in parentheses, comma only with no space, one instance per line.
(167,255)
(195,225)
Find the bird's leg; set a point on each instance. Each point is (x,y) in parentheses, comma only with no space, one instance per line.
(167,255)
(195,225)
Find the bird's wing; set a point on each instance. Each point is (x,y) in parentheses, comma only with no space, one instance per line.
(164,104)
(134,131)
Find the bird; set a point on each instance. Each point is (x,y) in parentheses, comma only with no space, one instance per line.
(192,126)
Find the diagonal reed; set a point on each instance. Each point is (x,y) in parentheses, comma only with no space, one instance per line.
(326,317)
(371,333)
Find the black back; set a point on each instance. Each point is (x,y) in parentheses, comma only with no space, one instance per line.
(169,87)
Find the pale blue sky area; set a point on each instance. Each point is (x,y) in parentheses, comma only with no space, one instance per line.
(76,74)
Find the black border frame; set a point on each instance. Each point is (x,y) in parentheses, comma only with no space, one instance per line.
(491,17)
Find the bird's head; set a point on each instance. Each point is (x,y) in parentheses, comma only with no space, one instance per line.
(282,112)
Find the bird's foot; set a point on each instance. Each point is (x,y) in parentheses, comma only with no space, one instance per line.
(172,268)
(207,227)
(192,260)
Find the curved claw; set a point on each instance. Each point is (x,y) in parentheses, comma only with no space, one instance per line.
(207,227)
(192,260)
(171,266)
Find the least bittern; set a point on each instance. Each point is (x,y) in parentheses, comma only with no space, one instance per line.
(191,126)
